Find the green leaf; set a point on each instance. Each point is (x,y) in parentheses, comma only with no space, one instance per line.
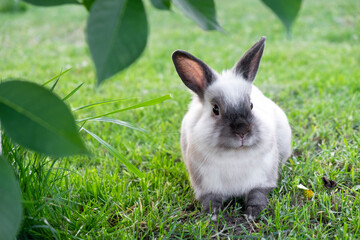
(10,202)
(88,4)
(161,4)
(285,10)
(37,119)
(143,104)
(117,34)
(116,154)
(48,3)
(201,11)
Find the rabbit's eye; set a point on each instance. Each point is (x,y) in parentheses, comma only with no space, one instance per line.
(251,105)
(216,110)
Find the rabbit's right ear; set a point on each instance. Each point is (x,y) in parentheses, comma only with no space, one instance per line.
(195,74)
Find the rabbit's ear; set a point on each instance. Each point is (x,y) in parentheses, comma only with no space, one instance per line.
(249,63)
(195,74)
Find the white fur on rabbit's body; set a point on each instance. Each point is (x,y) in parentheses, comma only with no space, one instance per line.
(234,172)
(233,138)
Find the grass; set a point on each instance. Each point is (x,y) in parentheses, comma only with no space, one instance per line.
(314,77)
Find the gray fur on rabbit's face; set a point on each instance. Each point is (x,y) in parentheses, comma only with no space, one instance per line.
(232,137)
(235,126)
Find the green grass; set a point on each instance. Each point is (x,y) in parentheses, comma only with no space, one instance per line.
(314,77)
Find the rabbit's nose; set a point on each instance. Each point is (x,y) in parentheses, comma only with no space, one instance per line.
(240,129)
(241,135)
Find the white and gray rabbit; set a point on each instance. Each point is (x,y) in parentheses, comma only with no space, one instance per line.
(233,138)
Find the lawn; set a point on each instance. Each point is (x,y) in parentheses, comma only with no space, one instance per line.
(314,77)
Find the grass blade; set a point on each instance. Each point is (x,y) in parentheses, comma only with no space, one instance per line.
(100,103)
(56,77)
(143,104)
(72,92)
(116,154)
(119,122)
(54,85)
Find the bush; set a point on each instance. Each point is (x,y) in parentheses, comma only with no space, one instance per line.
(12,6)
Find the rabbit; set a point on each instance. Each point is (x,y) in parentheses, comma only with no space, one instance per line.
(233,138)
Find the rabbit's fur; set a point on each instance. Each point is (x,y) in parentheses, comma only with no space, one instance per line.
(233,138)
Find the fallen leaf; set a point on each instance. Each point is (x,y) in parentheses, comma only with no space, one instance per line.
(302,187)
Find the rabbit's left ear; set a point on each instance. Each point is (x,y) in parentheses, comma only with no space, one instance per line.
(249,63)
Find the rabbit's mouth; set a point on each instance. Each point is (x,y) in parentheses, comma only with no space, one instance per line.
(241,139)
(236,142)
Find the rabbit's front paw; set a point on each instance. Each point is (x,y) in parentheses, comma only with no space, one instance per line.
(211,203)
(256,201)
(253,211)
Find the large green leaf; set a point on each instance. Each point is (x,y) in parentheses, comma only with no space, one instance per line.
(37,119)
(286,10)
(88,4)
(201,11)
(51,2)
(117,34)
(161,4)
(10,201)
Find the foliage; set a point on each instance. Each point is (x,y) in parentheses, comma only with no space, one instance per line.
(161,4)
(117,30)
(201,11)
(10,201)
(47,3)
(286,10)
(12,6)
(36,118)
(117,34)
